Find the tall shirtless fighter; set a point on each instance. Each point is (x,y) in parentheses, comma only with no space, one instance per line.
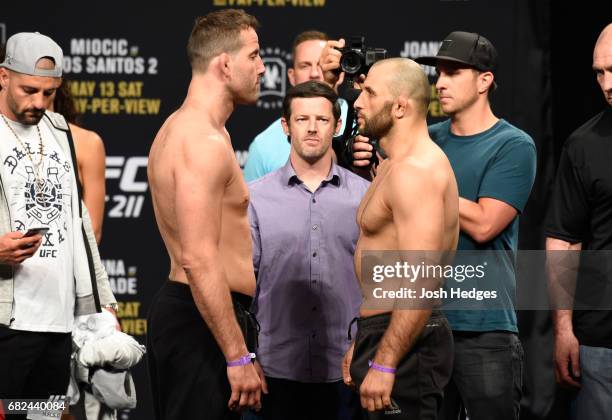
(401,360)
(198,356)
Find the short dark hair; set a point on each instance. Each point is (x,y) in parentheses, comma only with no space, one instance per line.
(310,35)
(311,89)
(216,33)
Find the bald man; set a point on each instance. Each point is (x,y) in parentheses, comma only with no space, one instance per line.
(401,359)
(580,218)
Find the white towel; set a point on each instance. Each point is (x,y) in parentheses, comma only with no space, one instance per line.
(118,350)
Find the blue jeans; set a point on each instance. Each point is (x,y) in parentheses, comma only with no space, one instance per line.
(487,377)
(594,400)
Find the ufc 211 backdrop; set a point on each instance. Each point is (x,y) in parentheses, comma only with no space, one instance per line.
(128,70)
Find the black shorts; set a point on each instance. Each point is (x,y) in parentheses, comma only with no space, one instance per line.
(421,375)
(187,370)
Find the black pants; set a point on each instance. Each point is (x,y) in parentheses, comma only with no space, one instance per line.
(187,369)
(421,375)
(487,377)
(33,365)
(308,401)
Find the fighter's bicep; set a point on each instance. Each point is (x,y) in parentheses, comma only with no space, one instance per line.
(199,182)
(418,211)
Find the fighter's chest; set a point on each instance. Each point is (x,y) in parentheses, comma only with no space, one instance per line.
(374,212)
(236,197)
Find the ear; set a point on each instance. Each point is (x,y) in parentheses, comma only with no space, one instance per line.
(401,107)
(338,126)
(285,125)
(485,80)
(291,76)
(224,63)
(4,78)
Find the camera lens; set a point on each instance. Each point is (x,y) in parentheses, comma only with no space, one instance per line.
(351,62)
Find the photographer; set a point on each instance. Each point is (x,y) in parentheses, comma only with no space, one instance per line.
(494,164)
(335,57)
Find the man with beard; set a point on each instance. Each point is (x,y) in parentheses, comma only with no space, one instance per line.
(50,269)
(199,332)
(495,164)
(401,358)
(304,234)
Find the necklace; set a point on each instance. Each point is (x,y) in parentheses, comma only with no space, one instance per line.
(41,147)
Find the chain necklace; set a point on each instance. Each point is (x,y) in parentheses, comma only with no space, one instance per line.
(41,147)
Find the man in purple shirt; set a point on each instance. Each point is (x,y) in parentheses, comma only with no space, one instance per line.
(304,230)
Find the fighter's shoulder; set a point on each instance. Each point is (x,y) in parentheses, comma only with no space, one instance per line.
(420,175)
(192,133)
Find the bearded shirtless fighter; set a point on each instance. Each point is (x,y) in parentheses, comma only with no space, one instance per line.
(401,359)
(199,357)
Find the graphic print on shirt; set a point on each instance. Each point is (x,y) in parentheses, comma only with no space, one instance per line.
(40,193)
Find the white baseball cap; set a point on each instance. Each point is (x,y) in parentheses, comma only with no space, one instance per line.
(25,49)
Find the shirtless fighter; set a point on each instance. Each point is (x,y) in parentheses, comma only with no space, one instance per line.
(401,360)
(199,332)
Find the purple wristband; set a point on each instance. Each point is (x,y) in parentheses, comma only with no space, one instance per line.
(243,361)
(381,368)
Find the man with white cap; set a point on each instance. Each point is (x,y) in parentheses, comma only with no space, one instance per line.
(50,268)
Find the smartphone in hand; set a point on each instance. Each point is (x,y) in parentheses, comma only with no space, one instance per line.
(36,231)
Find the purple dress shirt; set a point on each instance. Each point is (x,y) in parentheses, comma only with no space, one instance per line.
(307,293)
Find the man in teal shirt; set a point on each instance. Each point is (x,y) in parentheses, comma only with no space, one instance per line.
(495,166)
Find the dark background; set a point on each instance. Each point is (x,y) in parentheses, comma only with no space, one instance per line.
(546,87)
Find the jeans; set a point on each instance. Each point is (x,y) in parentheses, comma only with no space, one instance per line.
(487,377)
(594,400)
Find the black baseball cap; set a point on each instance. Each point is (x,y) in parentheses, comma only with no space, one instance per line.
(467,48)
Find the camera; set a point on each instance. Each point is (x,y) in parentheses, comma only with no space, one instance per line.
(357,58)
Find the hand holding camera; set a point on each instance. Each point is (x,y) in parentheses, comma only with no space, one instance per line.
(330,62)
(353,60)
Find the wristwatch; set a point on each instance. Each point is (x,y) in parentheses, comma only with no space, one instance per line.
(112,306)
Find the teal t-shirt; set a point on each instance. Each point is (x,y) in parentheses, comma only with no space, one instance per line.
(267,152)
(498,163)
